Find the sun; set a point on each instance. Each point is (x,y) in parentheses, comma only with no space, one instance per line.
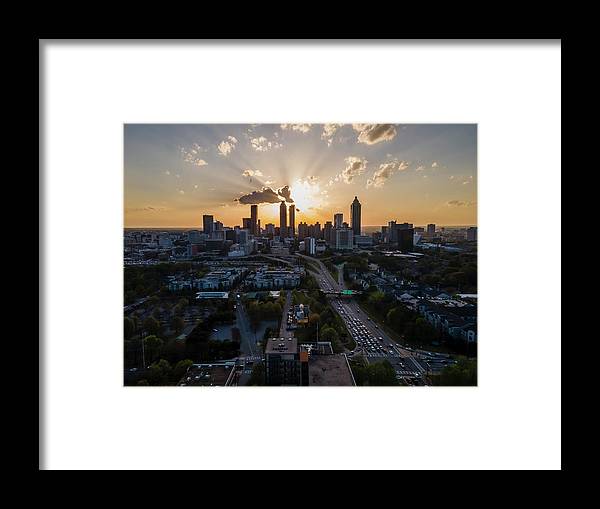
(308,197)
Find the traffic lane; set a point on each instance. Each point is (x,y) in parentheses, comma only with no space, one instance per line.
(387,342)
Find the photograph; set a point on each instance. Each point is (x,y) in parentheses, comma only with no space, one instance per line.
(300,254)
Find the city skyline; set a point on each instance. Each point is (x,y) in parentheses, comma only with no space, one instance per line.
(419,173)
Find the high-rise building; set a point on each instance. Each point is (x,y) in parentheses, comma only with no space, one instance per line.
(254,219)
(282,362)
(327,229)
(293,219)
(207,224)
(314,230)
(405,239)
(310,245)
(302,230)
(282,219)
(247,223)
(218,226)
(338,219)
(431,229)
(270,228)
(472,233)
(344,238)
(355,216)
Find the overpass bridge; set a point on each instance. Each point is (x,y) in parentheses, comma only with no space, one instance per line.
(340,293)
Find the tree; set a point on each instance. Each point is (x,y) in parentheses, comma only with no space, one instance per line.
(152,344)
(463,373)
(159,373)
(151,325)
(129,328)
(328,334)
(180,369)
(177,323)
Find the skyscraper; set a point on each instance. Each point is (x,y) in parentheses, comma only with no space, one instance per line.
(253,219)
(338,219)
(207,224)
(431,229)
(283,220)
(293,219)
(355,216)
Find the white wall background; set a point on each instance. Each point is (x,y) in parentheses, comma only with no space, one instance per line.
(512,420)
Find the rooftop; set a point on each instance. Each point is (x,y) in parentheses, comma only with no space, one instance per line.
(329,370)
(282,345)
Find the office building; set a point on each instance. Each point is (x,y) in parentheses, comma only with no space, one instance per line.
(292,225)
(208,224)
(310,245)
(327,232)
(355,216)
(254,219)
(405,238)
(282,361)
(282,220)
(472,234)
(338,219)
(344,238)
(363,240)
(431,229)
(247,223)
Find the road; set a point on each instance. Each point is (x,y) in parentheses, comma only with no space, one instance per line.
(283,332)
(248,337)
(371,340)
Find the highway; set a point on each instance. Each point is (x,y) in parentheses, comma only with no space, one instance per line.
(371,340)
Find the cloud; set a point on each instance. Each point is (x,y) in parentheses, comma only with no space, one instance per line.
(466,182)
(266,195)
(302,128)
(460,203)
(226,146)
(374,133)
(252,173)
(435,164)
(262,144)
(269,182)
(285,193)
(167,172)
(385,171)
(148,208)
(355,166)
(420,168)
(191,155)
(328,132)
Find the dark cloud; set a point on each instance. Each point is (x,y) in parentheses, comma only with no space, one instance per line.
(267,195)
(374,133)
(285,193)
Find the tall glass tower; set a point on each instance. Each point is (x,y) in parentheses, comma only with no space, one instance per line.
(283,220)
(355,216)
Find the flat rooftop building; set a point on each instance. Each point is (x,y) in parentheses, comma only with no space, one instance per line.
(329,370)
